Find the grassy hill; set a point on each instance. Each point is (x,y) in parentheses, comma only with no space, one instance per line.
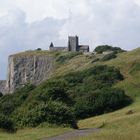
(125,123)
(119,125)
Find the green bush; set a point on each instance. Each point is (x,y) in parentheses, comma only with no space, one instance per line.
(52,112)
(56,90)
(109,56)
(6,123)
(38,49)
(134,68)
(9,103)
(65,57)
(105,74)
(1,94)
(103,48)
(60,113)
(100,101)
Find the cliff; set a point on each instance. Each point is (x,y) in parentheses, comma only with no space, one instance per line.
(28,67)
(3,86)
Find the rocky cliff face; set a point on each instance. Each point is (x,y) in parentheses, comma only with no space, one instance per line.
(3,86)
(27,68)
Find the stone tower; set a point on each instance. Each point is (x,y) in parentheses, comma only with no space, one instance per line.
(73,43)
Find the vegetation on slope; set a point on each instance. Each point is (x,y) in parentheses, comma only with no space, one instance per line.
(123,124)
(118,125)
(64,99)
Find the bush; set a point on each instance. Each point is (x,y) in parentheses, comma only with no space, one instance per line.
(52,112)
(101,101)
(38,49)
(65,57)
(6,123)
(135,68)
(9,103)
(59,114)
(1,94)
(105,74)
(56,90)
(103,48)
(109,56)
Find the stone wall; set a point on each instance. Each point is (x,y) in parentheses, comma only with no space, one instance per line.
(73,43)
(28,69)
(58,48)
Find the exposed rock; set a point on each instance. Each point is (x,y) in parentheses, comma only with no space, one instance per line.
(28,69)
(3,86)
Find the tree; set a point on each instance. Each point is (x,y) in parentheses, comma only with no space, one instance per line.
(1,94)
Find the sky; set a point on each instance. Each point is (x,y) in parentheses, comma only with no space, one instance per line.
(31,24)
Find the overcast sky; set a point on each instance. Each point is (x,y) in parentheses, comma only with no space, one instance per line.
(31,24)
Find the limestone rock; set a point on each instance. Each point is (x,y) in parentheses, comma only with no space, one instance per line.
(27,68)
(3,86)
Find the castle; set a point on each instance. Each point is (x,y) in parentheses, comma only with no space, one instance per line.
(73,46)
(32,67)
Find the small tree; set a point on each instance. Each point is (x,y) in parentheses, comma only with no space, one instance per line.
(6,123)
(1,94)
(38,49)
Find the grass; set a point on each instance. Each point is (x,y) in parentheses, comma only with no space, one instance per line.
(36,53)
(118,125)
(33,133)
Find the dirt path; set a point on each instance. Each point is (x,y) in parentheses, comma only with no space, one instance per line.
(73,134)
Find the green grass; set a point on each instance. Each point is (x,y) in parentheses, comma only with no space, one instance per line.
(33,133)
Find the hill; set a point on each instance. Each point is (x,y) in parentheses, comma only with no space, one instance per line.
(122,124)
(114,123)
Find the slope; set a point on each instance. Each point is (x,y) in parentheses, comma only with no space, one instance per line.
(123,124)
(118,124)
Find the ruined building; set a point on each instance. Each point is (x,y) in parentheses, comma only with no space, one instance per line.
(73,46)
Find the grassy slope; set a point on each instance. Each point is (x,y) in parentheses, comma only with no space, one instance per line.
(33,133)
(116,125)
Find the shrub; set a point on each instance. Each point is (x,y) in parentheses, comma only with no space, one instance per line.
(59,114)
(1,94)
(6,123)
(103,48)
(9,103)
(52,112)
(56,90)
(105,74)
(101,101)
(65,57)
(38,49)
(135,68)
(109,56)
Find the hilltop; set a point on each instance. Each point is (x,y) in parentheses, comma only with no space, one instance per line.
(112,124)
